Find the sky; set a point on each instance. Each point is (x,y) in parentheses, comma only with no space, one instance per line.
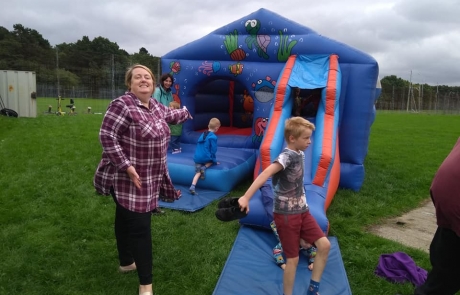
(421,37)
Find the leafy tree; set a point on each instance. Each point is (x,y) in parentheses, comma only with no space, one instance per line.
(101,64)
(94,61)
(25,49)
(146,59)
(394,81)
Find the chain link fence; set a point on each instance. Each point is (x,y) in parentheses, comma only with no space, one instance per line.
(93,88)
(90,89)
(415,99)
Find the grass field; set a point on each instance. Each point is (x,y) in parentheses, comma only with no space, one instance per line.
(82,105)
(57,235)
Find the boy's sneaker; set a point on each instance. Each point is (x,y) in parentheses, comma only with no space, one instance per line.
(176,151)
(203,172)
(192,190)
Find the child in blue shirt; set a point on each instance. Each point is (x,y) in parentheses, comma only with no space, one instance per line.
(205,152)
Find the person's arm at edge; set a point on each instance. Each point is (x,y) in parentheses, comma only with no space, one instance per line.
(258,182)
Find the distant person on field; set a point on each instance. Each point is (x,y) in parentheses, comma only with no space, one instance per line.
(163,93)
(176,131)
(444,277)
(205,152)
(290,210)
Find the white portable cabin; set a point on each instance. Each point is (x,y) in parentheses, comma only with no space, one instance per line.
(18,92)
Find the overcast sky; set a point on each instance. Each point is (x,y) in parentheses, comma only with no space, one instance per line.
(402,35)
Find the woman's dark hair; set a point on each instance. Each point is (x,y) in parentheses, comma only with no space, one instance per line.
(163,79)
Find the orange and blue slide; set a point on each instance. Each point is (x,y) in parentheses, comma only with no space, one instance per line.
(322,163)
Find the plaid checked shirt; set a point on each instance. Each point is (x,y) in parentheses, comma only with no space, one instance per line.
(133,135)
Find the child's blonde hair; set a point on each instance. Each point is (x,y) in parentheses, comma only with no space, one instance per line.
(214,123)
(174,105)
(295,126)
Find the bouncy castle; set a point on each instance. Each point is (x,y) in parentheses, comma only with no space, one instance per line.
(244,74)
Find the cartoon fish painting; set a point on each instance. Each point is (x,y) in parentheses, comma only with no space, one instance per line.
(259,129)
(260,42)
(175,67)
(236,69)
(264,89)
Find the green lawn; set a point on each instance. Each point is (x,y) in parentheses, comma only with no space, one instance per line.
(57,235)
(82,105)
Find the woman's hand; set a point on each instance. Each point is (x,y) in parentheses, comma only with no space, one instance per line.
(189,115)
(134,176)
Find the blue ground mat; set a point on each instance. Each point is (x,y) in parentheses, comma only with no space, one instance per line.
(251,270)
(192,203)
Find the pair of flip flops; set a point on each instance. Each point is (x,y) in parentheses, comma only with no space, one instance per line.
(229,210)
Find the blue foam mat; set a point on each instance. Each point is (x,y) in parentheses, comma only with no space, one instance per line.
(192,203)
(251,270)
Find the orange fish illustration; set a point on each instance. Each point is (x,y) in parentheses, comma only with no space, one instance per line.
(236,69)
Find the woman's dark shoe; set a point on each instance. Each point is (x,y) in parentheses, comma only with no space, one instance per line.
(157,210)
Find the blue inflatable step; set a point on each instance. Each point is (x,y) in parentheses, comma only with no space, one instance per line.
(251,270)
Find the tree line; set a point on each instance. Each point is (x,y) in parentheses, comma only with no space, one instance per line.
(101,63)
(97,63)
(400,94)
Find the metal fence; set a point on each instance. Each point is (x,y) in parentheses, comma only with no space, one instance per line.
(107,82)
(414,99)
(91,89)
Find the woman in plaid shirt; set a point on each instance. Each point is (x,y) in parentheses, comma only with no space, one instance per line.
(134,137)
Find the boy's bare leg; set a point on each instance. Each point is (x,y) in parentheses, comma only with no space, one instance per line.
(289,275)
(323,246)
(195,178)
(194,181)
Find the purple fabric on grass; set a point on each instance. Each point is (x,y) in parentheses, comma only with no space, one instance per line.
(400,268)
